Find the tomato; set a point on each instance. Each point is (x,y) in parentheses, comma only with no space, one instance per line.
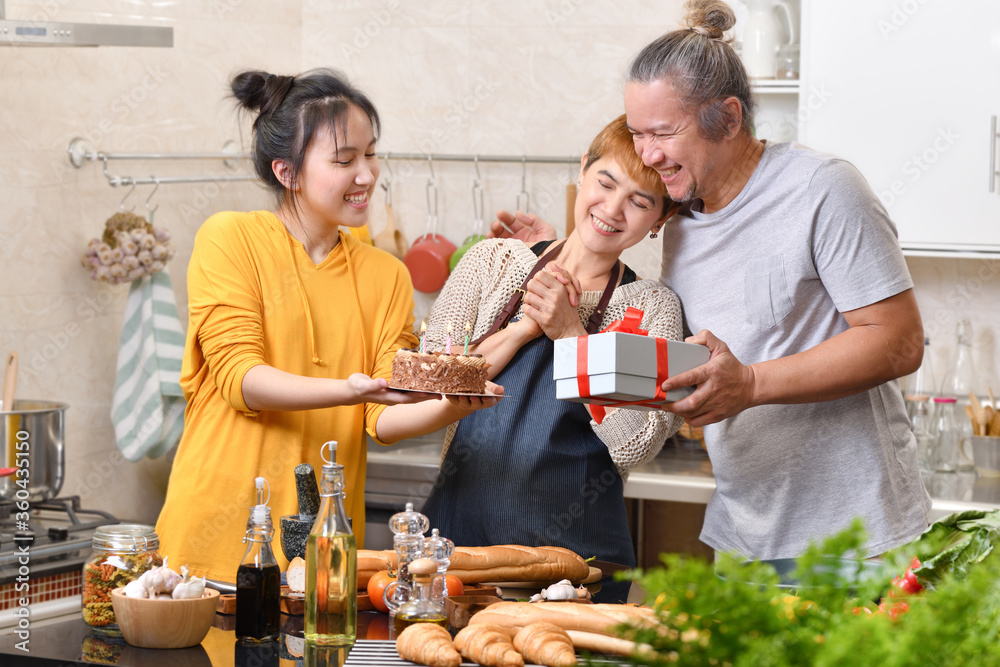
(908,583)
(454,584)
(893,608)
(858,611)
(376,589)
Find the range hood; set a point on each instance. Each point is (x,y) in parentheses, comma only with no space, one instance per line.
(54,33)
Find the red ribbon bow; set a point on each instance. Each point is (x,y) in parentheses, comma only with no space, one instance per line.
(628,324)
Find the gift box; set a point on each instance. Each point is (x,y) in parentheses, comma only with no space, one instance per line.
(615,367)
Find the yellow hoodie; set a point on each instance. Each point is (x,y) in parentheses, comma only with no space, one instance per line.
(255,297)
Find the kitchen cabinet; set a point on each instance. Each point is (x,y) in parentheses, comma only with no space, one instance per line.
(911,98)
(782,104)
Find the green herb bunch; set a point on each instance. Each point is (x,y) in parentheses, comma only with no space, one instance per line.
(735,613)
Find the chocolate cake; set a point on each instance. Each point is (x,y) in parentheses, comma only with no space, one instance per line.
(439,372)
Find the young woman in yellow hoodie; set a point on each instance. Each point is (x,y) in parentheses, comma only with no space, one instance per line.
(293,325)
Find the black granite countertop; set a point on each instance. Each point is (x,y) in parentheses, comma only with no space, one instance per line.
(73,642)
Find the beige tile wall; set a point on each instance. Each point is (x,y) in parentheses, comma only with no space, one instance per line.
(522,77)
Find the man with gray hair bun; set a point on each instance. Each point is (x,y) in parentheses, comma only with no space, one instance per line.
(789,269)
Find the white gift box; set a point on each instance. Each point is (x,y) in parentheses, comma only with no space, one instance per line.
(622,367)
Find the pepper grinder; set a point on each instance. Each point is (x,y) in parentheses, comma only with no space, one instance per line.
(439,549)
(408,529)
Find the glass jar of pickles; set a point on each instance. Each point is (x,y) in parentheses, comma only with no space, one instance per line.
(121,553)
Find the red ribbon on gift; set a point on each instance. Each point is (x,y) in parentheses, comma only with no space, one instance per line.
(628,324)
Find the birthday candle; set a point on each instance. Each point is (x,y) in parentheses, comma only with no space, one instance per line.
(423,328)
(467,327)
(447,345)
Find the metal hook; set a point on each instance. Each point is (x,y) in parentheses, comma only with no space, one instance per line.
(524,188)
(156,186)
(475,161)
(477,203)
(387,182)
(131,190)
(432,201)
(430,164)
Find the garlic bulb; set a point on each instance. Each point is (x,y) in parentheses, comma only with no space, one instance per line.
(135,589)
(188,587)
(160,579)
(562,590)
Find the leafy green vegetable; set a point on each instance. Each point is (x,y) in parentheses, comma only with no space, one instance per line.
(955,544)
(745,619)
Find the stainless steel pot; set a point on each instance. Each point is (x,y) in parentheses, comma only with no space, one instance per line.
(35,430)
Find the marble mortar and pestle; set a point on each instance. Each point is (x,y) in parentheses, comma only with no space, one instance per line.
(295,527)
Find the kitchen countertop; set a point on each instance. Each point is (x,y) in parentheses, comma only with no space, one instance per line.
(679,475)
(73,642)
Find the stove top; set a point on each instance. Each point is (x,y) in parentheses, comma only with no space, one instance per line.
(56,532)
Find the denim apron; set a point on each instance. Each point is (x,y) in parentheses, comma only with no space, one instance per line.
(531,471)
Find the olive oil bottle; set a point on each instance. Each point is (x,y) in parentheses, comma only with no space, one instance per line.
(331,565)
(421,607)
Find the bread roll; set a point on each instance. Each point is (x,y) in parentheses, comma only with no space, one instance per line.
(545,644)
(427,644)
(297,575)
(488,645)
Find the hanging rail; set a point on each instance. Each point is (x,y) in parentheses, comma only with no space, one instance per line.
(80,152)
(452,157)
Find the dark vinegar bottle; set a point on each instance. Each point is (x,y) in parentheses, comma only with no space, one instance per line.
(258,580)
(256,616)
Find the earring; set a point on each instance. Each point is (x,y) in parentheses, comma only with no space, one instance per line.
(652,235)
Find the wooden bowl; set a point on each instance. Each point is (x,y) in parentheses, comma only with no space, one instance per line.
(164,623)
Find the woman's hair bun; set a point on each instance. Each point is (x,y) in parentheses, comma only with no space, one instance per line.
(711,18)
(260,91)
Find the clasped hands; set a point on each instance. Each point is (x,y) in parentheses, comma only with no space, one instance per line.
(724,386)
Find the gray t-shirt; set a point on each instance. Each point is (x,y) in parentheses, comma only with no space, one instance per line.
(770,274)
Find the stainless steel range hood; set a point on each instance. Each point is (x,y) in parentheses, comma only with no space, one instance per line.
(53,33)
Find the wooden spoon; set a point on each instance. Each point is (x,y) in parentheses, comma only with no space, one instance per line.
(391,239)
(972,417)
(993,401)
(990,414)
(570,208)
(9,382)
(978,412)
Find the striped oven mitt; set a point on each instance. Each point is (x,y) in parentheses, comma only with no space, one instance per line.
(148,406)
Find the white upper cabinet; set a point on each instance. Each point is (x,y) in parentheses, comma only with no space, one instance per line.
(911,93)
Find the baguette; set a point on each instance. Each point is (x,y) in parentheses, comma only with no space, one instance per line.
(475,565)
(597,643)
(297,575)
(596,618)
(511,562)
